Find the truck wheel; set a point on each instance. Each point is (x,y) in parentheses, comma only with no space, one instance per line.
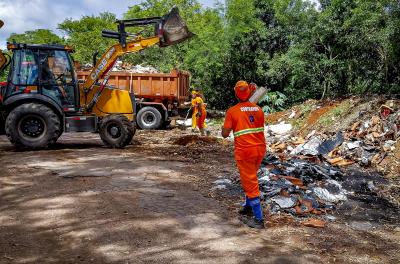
(33,126)
(116,131)
(149,118)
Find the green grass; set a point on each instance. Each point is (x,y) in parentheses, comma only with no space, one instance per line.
(304,110)
(216,122)
(335,114)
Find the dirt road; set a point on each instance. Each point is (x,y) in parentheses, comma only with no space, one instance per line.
(151,203)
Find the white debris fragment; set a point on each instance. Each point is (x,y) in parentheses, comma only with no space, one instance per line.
(222,181)
(218,187)
(185,123)
(353,145)
(325,195)
(280,129)
(308,148)
(284,202)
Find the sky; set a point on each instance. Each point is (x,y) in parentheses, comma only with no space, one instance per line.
(22,15)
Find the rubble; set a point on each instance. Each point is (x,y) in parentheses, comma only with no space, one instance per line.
(366,142)
(124,66)
(305,176)
(298,186)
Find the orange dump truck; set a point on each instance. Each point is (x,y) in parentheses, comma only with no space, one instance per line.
(158,96)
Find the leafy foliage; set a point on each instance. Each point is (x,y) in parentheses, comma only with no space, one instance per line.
(296,50)
(273,102)
(85,35)
(39,36)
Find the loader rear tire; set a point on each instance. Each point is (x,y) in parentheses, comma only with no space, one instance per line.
(33,126)
(116,131)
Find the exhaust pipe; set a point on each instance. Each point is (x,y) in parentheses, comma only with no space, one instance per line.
(172,29)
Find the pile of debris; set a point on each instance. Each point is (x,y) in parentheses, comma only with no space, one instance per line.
(125,66)
(300,186)
(366,142)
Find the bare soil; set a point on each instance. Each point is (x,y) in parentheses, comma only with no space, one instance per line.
(152,202)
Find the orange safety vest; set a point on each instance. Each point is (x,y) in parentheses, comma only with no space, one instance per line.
(247,122)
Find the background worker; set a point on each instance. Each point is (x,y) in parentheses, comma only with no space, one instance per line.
(199,112)
(246,120)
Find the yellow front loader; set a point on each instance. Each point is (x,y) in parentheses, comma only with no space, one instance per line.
(42,97)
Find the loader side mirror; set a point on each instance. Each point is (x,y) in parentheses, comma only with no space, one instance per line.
(172,29)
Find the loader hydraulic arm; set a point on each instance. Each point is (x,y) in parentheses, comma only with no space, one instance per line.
(169,30)
(108,59)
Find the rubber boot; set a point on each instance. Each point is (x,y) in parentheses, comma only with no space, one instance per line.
(258,220)
(246,208)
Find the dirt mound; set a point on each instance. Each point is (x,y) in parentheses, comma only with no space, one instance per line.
(194,139)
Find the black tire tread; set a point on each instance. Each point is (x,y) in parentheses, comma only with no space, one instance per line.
(12,120)
(126,136)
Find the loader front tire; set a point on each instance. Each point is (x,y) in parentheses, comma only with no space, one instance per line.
(116,131)
(33,126)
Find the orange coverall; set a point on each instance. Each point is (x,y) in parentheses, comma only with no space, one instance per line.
(198,121)
(247,122)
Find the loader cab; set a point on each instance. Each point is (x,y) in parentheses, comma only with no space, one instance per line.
(45,70)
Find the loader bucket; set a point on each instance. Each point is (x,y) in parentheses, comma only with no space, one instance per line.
(173,29)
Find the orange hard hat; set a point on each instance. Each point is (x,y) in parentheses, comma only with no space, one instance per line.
(242,90)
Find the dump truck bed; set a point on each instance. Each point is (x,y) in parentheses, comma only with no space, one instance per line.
(173,86)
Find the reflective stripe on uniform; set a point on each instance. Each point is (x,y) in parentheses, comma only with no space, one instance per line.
(248,131)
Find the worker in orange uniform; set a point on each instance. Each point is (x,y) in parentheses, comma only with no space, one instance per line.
(199,112)
(246,120)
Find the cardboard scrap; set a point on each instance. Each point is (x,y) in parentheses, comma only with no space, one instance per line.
(339,161)
(314,222)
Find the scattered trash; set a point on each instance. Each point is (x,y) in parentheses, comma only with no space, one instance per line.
(325,195)
(309,148)
(330,144)
(292,185)
(124,66)
(284,202)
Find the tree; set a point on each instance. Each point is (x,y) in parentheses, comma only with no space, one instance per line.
(38,36)
(85,35)
(202,56)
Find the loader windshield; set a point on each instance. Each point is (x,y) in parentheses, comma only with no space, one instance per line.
(57,77)
(25,68)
